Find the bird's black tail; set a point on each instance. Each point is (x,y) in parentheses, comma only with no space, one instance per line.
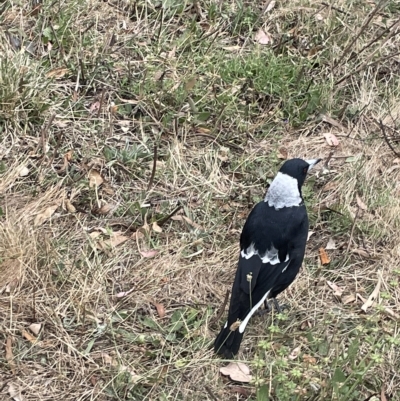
(227,343)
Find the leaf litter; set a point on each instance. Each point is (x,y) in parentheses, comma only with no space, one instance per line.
(237,371)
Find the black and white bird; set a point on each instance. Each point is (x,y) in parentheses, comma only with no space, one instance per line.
(272,244)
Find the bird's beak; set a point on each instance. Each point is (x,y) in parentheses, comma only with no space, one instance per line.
(312,163)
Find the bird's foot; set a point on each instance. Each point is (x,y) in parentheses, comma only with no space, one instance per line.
(268,307)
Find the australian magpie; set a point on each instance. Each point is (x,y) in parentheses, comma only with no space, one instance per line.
(272,246)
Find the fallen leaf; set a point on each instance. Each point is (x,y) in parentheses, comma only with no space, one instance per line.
(330,186)
(361,252)
(270,6)
(95,179)
(156,228)
(94,107)
(331,244)
(331,139)
(347,299)
(137,235)
(116,239)
(32,339)
(24,171)
(295,353)
(160,309)
(282,153)
(57,73)
(237,371)
(374,294)
(105,209)
(387,310)
(95,234)
(149,254)
(262,37)
(360,203)
(9,354)
(323,256)
(337,290)
(35,328)
(69,206)
(123,293)
(14,392)
(309,360)
(192,223)
(42,217)
(68,155)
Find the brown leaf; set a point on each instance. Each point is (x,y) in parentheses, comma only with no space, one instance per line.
(32,339)
(192,223)
(360,203)
(95,179)
(68,155)
(262,37)
(361,252)
(105,209)
(374,294)
(331,139)
(45,215)
(149,253)
(348,299)
(94,107)
(9,354)
(160,309)
(69,206)
(35,328)
(330,186)
(117,238)
(57,73)
(156,228)
(323,256)
(282,153)
(337,290)
(137,235)
(295,353)
(309,360)
(237,371)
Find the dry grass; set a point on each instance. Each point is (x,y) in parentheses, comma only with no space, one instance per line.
(88,89)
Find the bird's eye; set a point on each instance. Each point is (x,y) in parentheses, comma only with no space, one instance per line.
(305,169)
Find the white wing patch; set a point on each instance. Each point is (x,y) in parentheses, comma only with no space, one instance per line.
(251,313)
(283,192)
(271,256)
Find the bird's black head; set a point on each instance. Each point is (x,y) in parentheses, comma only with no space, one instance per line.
(298,168)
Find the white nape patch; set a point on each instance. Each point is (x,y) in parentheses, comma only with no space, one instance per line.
(251,313)
(271,255)
(283,192)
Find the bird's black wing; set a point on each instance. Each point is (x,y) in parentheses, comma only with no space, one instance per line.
(265,253)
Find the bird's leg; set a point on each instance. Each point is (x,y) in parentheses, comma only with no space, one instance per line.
(277,306)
